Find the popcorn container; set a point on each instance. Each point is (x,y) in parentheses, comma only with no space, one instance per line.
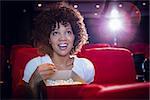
(61,85)
(64,77)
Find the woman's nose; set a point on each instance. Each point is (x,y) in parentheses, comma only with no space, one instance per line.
(62,37)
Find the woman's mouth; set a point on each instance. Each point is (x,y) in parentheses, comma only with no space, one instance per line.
(62,46)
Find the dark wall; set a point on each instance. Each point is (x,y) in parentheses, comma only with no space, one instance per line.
(16,22)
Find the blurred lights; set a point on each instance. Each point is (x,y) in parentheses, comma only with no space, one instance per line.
(24,10)
(97,6)
(115,24)
(143,3)
(114,13)
(120,5)
(75,6)
(121,24)
(39,5)
(95,14)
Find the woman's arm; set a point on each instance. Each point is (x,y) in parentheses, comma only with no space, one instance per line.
(33,83)
(42,72)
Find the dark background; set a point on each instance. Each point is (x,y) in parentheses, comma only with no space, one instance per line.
(16,20)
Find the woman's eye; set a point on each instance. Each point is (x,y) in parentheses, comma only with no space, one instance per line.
(55,33)
(68,32)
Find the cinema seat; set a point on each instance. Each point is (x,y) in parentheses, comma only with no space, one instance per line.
(69,91)
(14,49)
(90,46)
(114,68)
(112,65)
(135,91)
(115,71)
(22,56)
(97,45)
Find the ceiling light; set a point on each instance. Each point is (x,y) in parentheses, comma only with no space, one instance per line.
(75,6)
(39,5)
(143,3)
(95,14)
(120,5)
(97,6)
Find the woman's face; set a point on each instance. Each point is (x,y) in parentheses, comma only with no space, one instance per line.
(62,39)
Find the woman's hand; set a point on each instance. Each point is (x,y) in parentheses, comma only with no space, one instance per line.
(46,70)
(42,72)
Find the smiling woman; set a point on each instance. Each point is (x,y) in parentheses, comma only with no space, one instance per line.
(61,33)
(47,21)
(62,39)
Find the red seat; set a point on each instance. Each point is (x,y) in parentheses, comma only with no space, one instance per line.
(112,65)
(97,45)
(22,56)
(133,91)
(14,49)
(58,92)
(70,91)
(89,46)
(115,71)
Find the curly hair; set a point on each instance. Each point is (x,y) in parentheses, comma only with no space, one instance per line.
(64,13)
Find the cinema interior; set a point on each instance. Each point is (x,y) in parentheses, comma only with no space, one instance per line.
(118,47)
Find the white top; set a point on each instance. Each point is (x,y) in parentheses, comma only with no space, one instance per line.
(81,66)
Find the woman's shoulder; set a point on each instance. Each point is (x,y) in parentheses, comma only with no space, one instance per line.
(85,68)
(35,59)
(39,60)
(83,61)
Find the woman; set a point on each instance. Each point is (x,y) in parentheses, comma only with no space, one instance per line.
(61,33)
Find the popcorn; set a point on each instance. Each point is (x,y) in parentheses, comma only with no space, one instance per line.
(62,82)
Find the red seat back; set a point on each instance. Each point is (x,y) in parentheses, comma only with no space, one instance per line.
(134,91)
(14,49)
(112,65)
(97,45)
(70,91)
(23,55)
(90,46)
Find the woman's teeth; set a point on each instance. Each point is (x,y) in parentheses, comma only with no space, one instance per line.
(63,46)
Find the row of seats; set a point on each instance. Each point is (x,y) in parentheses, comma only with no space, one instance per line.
(115,75)
(100,50)
(135,48)
(135,91)
(140,55)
